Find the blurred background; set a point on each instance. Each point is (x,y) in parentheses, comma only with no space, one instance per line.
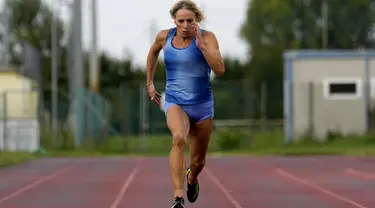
(73,71)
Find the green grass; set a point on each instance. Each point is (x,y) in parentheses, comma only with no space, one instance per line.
(224,142)
(13,158)
(228,142)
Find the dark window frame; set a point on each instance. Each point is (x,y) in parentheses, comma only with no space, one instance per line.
(343,92)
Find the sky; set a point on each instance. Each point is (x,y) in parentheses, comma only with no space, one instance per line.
(124,26)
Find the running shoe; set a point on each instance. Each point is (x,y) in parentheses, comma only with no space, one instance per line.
(178,203)
(192,191)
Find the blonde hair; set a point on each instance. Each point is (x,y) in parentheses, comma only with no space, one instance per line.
(189,5)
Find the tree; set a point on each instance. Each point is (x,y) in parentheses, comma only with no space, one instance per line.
(31,22)
(298,23)
(234,70)
(272,26)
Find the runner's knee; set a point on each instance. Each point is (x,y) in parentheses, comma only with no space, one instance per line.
(198,163)
(179,140)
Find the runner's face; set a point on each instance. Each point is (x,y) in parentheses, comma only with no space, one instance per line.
(184,20)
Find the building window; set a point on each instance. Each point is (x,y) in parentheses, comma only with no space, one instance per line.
(343,89)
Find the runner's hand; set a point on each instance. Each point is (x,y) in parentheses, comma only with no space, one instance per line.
(197,32)
(154,96)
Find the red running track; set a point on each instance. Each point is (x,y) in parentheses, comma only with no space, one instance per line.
(226,182)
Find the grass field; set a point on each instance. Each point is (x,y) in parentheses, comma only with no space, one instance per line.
(222,143)
(12,158)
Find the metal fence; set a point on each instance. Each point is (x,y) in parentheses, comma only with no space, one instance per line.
(19,125)
(141,125)
(25,120)
(89,121)
(236,104)
(124,118)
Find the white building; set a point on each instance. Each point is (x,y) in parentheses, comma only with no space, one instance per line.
(327,91)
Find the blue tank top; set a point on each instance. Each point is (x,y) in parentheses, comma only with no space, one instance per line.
(187,73)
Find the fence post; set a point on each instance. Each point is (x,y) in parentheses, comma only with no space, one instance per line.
(5,118)
(143,114)
(247,102)
(123,112)
(367,92)
(2,118)
(311,107)
(252,109)
(263,106)
(80,117)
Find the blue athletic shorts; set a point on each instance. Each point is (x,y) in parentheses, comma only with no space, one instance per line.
(197,112)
